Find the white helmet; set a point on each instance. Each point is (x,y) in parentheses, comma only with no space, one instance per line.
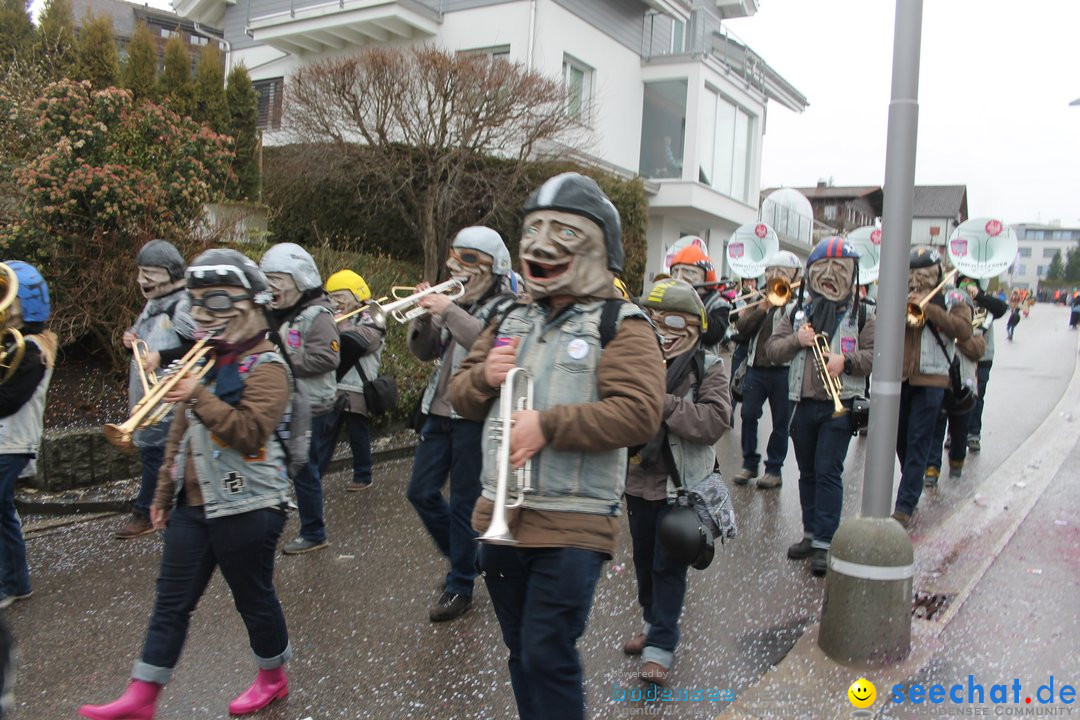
(291,259)
(488,241)
(784,259)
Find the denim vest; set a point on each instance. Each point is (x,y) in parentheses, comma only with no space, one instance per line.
(694,460)
(231,482)
(932,359)
(351,382)
(158,324)
(846,339)
(776,314)
(988,333)
(458,352)
(321,389)
(561,358)
(20,433)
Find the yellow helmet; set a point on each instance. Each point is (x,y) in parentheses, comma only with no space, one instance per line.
(348,280)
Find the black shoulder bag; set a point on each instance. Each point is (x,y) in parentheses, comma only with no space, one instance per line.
(959,397)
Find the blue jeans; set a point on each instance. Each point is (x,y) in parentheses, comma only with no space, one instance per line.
(360,444)
(661,581)
(542,598)
(151,457)
(821,444)
(975,424)
(14,571)
(738,357)
(919,408)
(958,434)
(308,483)
(763,384)
(449,448)
(243,546)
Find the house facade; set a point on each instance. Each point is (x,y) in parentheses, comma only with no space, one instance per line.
(1037,246)
(937,210)
(666,90)
(162,24)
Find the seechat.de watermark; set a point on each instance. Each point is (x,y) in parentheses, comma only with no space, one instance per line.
(1013,698)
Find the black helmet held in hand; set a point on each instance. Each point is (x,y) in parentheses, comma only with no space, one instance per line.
(684,538)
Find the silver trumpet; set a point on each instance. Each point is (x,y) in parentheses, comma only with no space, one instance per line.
(516,394)
(405,308)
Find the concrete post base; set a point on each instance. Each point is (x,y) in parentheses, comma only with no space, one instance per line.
(866,615)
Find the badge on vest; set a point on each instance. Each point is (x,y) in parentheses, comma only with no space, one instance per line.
(293,339)
(847,344)
(234,483)
(577,349)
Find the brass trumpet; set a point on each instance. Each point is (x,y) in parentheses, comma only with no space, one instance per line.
(916,312)
(511,398)
(833,385)
(12,344)
(152,408)
(405,308)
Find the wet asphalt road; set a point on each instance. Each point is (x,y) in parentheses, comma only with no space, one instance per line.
(357,612)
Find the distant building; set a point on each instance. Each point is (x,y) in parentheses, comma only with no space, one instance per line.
(1038,244)
(937,210)
(162,24)
(842,208)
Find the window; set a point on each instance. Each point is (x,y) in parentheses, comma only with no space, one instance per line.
(199,40)
(1021,269)
(269,92)
(501,52)
(1041,270)
(578,81)
(1050,252)
(1060,235)
(663,120)
(1025,252)
(166,33)
(725,146)
(678,36)
(830,212)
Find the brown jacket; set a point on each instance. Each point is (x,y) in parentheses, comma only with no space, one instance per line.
(630,381)
(954,323)
(246,427)
(783,346)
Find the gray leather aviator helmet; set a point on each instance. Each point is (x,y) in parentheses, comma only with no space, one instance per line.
(574,193)
(291,259)
(162,254)
(223,266)
(487,241)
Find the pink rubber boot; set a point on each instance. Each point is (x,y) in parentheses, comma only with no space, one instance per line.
(137,703)
(269,685)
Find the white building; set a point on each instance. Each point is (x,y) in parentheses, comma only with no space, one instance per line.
(1037,246)
(666,90)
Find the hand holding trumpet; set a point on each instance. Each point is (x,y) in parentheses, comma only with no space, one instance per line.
(434,303)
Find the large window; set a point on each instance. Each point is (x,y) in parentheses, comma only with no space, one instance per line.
(1025,252)
(1050,252)
(578,81)
(725,146)
(663,127)
(502,52)
(269,102)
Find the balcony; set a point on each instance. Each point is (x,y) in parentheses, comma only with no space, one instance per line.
(307,27)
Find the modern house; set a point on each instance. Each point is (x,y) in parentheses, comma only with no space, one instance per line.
(162,24)
(937,210)
(666,89)
(1038,244)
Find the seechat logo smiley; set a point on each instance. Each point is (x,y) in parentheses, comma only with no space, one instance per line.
(862,693)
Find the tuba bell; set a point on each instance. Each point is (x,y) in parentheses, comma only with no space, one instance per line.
(12,344)
(516,394)
(750,248)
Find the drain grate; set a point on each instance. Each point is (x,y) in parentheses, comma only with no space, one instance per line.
(928,605)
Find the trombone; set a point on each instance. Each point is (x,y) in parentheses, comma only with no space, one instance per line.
(511,398)
(152,408)
(357,311)
(778,292)
(833,385)
(405,308)
(916,312)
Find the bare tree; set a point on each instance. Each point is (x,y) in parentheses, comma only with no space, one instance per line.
(429,119)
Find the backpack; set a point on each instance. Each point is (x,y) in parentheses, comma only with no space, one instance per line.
(293,433)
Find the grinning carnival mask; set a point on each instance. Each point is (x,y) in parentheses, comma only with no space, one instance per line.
(678,314)
(227,291)
(691,274)
(291,271)
(286,293)
(832,278)
(477,257)
(924,273)
(571,243)
(161,269)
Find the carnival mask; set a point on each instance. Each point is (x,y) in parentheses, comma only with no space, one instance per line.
(679,331)
(564,253)
(923,280)
(286,293)
(155,282)
(832,278)
(226,312)
(473,269)
(691,274)
(344,301)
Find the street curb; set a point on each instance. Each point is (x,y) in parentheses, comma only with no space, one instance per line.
(807,680)
(341,461)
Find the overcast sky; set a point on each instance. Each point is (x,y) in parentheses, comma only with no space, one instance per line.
(995,85)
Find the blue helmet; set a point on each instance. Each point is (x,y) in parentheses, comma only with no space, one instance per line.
(832,247)
(33,292)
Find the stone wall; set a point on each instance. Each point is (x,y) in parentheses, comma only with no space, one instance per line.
(77,458)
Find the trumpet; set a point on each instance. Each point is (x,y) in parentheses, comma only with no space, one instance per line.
(357,311)
(778,291)
(916,312)
(152,408)
(141,350)
(405,308)
(980,319)
(833,385)
(512,397)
